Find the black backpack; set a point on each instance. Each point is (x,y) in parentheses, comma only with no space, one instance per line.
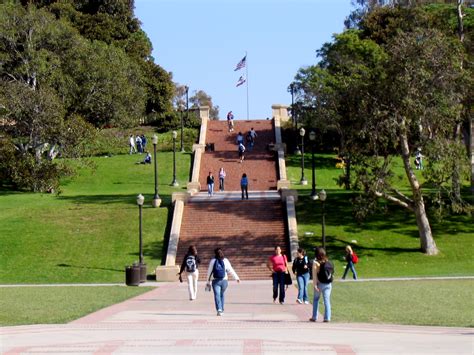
(191,263)
(326,272)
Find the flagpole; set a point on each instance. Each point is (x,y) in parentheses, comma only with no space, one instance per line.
(247,77)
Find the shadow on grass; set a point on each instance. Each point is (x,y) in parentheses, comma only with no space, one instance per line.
(114,199)
(339,212)
(89,268)
(321,162)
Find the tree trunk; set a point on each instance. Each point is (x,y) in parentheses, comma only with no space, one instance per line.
(455,176)
(428,245)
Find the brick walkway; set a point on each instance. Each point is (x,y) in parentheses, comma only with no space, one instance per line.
(163,321)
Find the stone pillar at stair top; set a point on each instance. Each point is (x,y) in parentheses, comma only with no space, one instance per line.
(280,111)
(204,113)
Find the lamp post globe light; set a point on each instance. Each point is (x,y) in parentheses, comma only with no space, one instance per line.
(303,180)
(156,202)
(312,138)
(322,196)
(174,183)
(140,201)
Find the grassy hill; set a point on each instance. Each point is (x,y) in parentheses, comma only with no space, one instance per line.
(387,243)
(89,232)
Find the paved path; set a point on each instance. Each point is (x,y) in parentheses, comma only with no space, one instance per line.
(163,321)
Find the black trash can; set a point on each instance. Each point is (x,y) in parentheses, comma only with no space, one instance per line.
(142,272)
(132,275)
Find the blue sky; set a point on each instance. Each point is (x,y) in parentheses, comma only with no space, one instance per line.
(201,41)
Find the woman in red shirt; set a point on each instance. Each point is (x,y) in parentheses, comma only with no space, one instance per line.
(278,265)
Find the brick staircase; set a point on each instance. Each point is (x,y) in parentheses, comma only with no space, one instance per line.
(247,230)
(259,164)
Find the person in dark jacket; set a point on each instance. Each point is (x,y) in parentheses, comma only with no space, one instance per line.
(190,265)
(301,270)
(210,184)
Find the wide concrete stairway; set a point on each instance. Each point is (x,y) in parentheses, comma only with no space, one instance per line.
(247,230)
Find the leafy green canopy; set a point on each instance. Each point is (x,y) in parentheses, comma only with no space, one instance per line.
(392,87)
(65,68)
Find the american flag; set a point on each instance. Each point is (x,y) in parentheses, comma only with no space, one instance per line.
(241,64)
(241,81)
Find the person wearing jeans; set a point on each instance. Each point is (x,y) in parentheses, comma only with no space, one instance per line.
(244,186)
(220,281)
(325,290)
(322,282)
(350,263)
(222,176)
(301,270)
(210,184)
(277,264)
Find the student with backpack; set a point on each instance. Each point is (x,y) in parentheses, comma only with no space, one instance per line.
(241,150)
(301,270)
(351,258)
(218,269)
(323,275)
(190,264)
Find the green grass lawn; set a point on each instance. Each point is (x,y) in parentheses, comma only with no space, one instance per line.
(88,233)
(55,305)
(387,243)
(430,302)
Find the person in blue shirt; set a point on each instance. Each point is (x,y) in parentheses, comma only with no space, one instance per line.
(244,185)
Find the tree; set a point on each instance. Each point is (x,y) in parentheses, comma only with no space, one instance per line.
(387,102)
(200,98)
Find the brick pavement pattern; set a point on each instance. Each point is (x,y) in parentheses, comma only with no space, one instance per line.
(164,321)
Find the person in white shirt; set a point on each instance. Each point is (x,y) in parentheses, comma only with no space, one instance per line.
(218,269)
(132,144)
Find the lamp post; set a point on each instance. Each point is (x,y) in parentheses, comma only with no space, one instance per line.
(292,91)
(140,200)
(303,180)
(174,183)
(322,196)
(156,199)
(312,138)
(186,88)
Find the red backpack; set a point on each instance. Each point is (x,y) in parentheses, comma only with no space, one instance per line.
(355,258)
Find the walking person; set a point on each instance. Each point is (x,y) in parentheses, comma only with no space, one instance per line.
(244,186)
(210,184)
(419,159)
(249,140)
(240,138)
(190,265)
(222,176)
(301,270)
(253,134)
(230,121)
(323,274)
(241,152)
(138,140)
(219,267)
(278,265)
(351,258)
(132,144)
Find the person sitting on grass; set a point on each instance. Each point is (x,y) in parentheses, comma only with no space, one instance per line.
(147,159)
